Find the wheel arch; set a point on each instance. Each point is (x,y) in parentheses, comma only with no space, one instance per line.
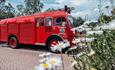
(53,36)
(12,35)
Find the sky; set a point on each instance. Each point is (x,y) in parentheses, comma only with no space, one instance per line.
(85,8)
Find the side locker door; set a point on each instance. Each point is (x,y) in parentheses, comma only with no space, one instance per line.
(27,31)
(40,30)
(4,31)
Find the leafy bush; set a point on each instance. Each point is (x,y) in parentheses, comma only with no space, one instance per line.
(4,15)
(104,19)
(104,46)
(104,56)
(93,24)
(79,21)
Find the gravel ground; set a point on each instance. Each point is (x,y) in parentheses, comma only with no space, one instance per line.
(26,58)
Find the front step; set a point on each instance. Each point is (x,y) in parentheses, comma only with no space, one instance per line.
(5,45)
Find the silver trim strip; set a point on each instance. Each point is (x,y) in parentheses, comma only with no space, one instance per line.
(40,44)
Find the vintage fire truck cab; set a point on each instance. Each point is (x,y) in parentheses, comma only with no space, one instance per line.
(39,29)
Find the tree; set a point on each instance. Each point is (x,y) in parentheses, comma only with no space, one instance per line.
(2,2)
(20,9)
(104,19)
(79,21)
(6,10)
(30,7)
(107,7)
(112,3)
(4,15)
(50,9)
(93,24)
(113,11)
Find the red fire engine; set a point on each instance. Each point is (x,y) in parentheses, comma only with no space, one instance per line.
(39,29)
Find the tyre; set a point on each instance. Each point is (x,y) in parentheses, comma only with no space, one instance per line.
(13,42)
(51,44)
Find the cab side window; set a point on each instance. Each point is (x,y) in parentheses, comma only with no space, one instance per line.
(39,22)
(48,21)
(59,21)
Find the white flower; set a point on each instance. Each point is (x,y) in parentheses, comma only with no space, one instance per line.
(80,54)
(91,52)
(54,61)
(89,39)
(39,68)
(42,60)
(75,41)
(43,66)
(73,48)
(92,68)
(50,63)
(60,46)
(67,43)
(45,54)
(74,62)
(83,39)
(94,32)
(81,44)
(42,55)
(54,48)
(48,54)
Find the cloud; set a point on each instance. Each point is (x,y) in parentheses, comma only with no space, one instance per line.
(78,2)
(82,13)
(96,9)
(55,6)
(59,1)
(71,2)
(86,14)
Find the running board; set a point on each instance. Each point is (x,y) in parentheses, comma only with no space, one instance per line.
(5,45)
(43,44)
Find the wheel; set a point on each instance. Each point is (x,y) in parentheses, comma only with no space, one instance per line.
(52,43)
(13,42)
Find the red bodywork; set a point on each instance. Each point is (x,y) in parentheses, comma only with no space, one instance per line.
(28,30)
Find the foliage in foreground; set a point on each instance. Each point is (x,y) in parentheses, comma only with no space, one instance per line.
(104,57)
(104,46)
